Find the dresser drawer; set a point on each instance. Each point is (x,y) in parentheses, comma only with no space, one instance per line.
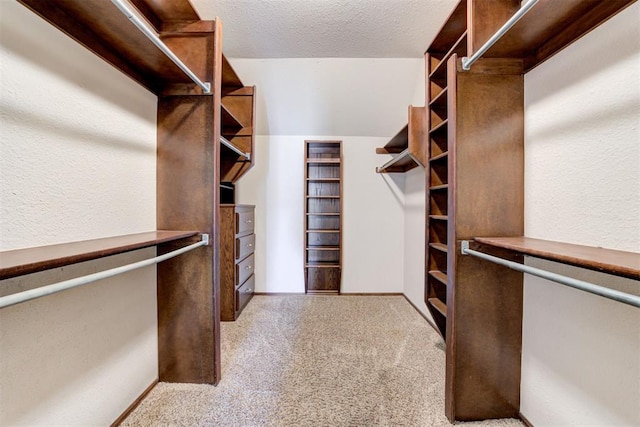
(244,222)
(244,269)
(244,293)
(245,246)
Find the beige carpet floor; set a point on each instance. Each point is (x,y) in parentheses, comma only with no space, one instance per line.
(316,361)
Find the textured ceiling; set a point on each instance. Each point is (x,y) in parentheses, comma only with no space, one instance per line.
(327,28)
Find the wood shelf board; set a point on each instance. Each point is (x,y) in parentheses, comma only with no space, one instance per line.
(439,247)
(19,262)
(322,197)
(439,217)
(399,141)
(552,25)
(323,231)
(322,265)
(229,121)
(438,305)
(439,276)
(439,73)
(323,179)
(439,156)
(323,161)
(229,76)
(324,214)
(104,30)
(404,163)
(439,187)
(440,100)
(323,248)
(611,261)
(441,126)
(454,26)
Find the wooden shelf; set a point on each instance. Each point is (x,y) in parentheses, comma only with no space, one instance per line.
(439,217)
(610,261)
(441,126)
(439,187)
(438,305)
(439,156)
(439,276)
(323,231)
(323,161)
(31,260)
(451,30)
(409,144)
(440,100)
(229,121)
(103,29)
(323,197)
(319,264)
(229,77)
(439,73)
(324,214)
(439,247)
(323,248)
(323,179)
(550,26)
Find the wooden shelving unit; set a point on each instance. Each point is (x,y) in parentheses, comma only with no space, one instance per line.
(323,216)
(238,124)
(620,263)
(475,187)
(19,262)
(408,144)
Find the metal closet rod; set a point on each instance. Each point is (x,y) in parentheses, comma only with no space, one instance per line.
(467,62)
(396,159)
(24,296)
(233,148)
(151,35)
(592,288)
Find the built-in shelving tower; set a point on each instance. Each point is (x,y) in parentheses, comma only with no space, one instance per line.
(323,216)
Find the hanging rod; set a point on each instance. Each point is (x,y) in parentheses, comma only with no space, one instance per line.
(396,159)
(467,62)
(613,294)
(233,148)
(24,296)
(151,35)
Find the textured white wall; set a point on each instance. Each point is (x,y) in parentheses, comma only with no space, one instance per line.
(333,96)
(373,216)
(581,353)
(77,161)
(301,99)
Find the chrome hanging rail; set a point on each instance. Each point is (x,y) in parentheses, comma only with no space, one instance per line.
(24,296)
(467,62)
(224,141)
(613,294)
(151,35)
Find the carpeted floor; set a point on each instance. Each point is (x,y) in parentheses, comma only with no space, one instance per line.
(316,361)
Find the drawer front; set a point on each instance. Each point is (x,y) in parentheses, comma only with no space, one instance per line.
(244,222)
(245,246)
(244,293)
(244,269)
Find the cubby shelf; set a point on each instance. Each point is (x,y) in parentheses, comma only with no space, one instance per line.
(439,276)
(438,305)
(439,246)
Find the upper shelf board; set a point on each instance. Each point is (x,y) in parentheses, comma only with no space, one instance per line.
(104,30)
(31,260)
(550,26)
(611,261)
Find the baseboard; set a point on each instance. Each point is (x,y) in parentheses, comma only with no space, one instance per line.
(358,294)
(435,328)
(134,405)
(373,294)
(525,420)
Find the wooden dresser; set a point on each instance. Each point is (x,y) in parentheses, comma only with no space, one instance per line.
(237,243)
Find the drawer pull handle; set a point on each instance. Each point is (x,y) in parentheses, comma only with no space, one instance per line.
(248,267)
(249,245)
(248,221)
